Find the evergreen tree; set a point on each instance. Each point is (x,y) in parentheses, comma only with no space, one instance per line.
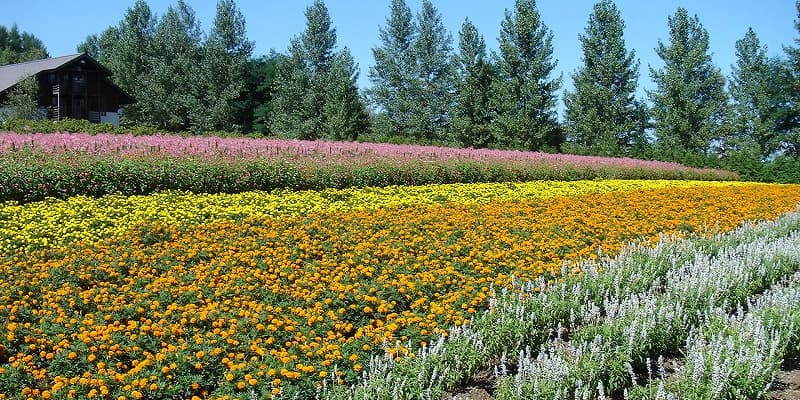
(254,106)
(689,103)
(525,93)
(314,83)
(603,115)
(473,114)
(223,68)
(787,96)
(433,86)
(344,111)
(17,47)
(753,122)
(393,75)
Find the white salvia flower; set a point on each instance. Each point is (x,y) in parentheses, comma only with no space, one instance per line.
(601,390)
(631,372)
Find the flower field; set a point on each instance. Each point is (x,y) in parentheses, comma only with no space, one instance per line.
(61,165)
(288,294)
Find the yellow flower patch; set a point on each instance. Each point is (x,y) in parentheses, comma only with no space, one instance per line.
(58,222)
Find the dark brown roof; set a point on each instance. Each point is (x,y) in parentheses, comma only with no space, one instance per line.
(11,74)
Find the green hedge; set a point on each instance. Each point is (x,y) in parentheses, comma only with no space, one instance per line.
(27,176)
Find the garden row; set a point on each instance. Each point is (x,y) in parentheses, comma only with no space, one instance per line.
(729,304)
(36,166)
(56,222)
(297,302)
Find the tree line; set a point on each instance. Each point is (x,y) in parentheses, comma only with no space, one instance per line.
(428,87)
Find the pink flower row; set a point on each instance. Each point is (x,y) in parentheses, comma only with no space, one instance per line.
(129,145)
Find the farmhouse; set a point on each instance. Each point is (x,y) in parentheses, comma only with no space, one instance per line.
(74,86)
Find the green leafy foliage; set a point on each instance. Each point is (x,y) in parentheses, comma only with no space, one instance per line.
(433,80)
(181,79)
(21,102)
(253,109)
(17,47)
(392,75)
(750,90)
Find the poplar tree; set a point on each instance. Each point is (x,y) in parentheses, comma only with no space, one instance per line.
(603,115)
(525,92)
(749,88)
(126,50)
(393,75)
(300,83)
(166,94)
(433,83)
(689,102)
(473,113)
(787,94)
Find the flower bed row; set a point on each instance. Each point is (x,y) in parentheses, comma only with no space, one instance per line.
(735,355)
(262,306)
(60,222)
(33,167)
(592,335)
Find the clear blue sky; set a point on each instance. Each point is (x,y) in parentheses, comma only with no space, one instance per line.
(64,24)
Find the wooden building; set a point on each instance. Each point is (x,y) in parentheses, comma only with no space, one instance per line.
(75,86)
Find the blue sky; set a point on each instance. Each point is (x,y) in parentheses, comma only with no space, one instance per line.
(64,24)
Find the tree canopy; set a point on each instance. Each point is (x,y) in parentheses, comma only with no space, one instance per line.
(17,47)
(689,102)
(603,115)
(525,90)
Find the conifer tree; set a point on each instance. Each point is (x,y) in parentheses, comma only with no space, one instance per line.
(17,47)
(749,88)
(525,93)
(689,102)
(603,115)
(433,83)
(473,113)
(393,75)
(314,82)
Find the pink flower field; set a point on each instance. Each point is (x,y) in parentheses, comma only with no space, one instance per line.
(319,151)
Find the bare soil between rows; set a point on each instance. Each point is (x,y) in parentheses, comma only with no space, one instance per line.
(787,384)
